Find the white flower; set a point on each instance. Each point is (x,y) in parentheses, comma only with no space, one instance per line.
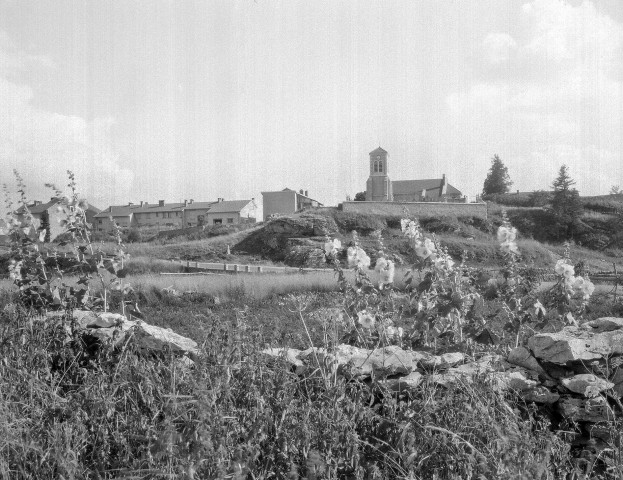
(584,286)
(357,257)
(563,268)
(400,332)
(331,247)
(386,270)
(506,234)
(390,331)
(366,320)
(410,228)
(425,249)
(443,262)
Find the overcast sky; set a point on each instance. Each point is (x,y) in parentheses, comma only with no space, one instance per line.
(149,100)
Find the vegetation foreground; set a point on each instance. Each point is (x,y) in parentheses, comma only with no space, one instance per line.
(73,409)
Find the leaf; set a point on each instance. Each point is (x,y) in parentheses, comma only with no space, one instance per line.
(122,273)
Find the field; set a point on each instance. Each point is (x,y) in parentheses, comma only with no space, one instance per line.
(68,411)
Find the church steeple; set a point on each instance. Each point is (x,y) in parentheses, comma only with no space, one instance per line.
(378,162)
(379,186)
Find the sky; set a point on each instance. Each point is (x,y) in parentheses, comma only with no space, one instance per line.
(151,100)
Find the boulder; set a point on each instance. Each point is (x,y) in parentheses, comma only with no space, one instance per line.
(358,362)
(592,341)
(587,384)
(306,256)
(115,328)
(522,357)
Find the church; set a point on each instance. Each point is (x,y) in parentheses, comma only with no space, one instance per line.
(379,188)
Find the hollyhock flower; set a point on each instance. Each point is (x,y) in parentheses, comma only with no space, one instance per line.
(506,234)
(386,270)
(366,320)
(357,257)
(425,249)
(331,247)
(410,228)
(563,268)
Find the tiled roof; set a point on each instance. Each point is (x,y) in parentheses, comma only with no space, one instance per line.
(228,206)
(42,207)
(377,150)
(116,211)
(402,187)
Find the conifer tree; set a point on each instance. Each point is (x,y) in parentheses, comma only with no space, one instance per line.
(498,180)
(566,203)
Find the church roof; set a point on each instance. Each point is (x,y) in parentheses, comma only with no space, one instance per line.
(377,150)
(410,186)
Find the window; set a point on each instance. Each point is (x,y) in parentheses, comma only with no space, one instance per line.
(156,214)
(230,220)
(376,166)
(380,167)
(218,221)
(99,221)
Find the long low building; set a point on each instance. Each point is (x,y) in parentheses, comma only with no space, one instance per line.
(185,214)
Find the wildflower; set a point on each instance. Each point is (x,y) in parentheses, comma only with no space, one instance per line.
(563,268)
(357,257)
(506,237)
(400,332)
(386,270)
(506,234)
(584,286)
(331,247)
(443,262)
(425,249)
(410,228)
(83,204)
(366,320)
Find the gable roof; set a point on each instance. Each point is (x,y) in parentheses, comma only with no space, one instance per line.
(38,208)
(228,206)
(116,211)
(402,187)
(377,150)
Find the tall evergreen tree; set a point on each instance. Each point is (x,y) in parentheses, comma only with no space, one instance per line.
(498,180)
(566,204)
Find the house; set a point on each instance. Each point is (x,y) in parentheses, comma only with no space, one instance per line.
(166,216)
(379,187)
(231,212)
(287,201)
(49,212)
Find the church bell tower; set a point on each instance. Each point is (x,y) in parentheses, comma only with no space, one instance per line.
(379,186)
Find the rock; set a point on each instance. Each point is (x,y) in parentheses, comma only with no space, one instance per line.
(306,256)
(404,384)
(522,357)
(604,324)
(441,361)
(587,384)
(115,328)
(362,362)
(572,344)
(157,338)
(585,410)
(290,355)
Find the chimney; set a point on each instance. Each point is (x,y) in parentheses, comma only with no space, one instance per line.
(142,203)
(130,204)
(301,191)
(190,201)
(219,200)
(161,203)
(53,199)
(185,203)
(307,193)
(36,202)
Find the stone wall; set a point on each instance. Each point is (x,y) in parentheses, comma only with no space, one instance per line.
(418,209)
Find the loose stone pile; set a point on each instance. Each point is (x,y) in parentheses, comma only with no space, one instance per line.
(574,372)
